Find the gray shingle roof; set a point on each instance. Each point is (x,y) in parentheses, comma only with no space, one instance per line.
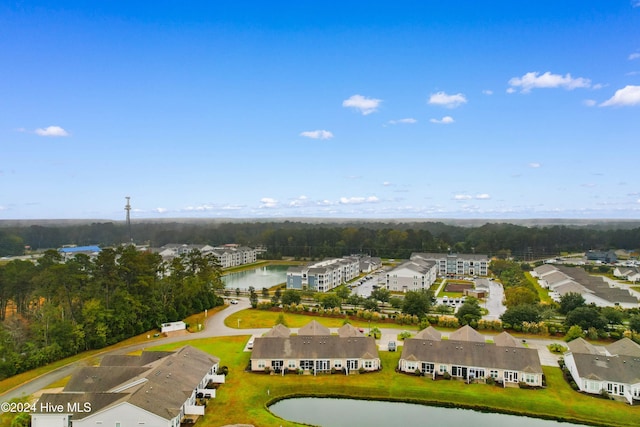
(624,347)
(348,330)
(278,331)
(620,369)
(314,347)
(472,354)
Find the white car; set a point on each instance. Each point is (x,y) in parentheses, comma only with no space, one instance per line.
(234,301)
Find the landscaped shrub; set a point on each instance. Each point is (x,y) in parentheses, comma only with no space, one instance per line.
(490,381)
(404,335)
(361,370)
(267,370)
(418,372)
(224,370)
(446,376)
(557,348)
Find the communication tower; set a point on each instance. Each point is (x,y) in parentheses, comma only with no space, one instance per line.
(127,208)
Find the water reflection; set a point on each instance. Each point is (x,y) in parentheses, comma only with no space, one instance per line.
(261,277)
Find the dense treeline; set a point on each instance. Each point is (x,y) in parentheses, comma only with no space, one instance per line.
(52,309)
(316,240)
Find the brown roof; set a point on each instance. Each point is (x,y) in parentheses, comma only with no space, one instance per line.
(625,347)
(468,334)
(429,333)
(161,387)
(278,331)
(505,339)
(314,347)
(102,378)
(580,345)
(314,328)
(348,330)
(145,358)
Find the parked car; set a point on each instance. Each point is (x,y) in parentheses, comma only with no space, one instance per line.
(250,343)
(391,346)
(234,301)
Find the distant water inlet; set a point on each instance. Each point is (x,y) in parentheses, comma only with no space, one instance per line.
(331,412)
(261,277)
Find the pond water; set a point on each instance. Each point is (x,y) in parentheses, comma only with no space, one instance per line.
(261,277)
(329,412)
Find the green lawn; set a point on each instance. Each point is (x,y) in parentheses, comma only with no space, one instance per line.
(245,396)
(251,319)
(543,294)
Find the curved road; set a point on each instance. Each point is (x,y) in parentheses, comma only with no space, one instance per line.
(215,327)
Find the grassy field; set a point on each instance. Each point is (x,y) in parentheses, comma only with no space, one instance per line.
(252,319)
(543,294)
(245,396)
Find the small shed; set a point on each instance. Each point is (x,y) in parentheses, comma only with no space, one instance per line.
(173,326)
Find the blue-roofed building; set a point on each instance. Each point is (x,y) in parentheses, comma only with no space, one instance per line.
(70,252)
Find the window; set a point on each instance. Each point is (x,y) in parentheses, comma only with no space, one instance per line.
(337,364)
(368,364)
(261,364)
(494,374)
(428,368)
(412,366)
(306,364)
(530,378)
(292,364)
(443,369)
(352,364)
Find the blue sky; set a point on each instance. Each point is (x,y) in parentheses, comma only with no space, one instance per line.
(403,109)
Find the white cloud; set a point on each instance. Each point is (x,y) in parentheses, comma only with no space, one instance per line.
(408,120)
(386,183)
(363,104)
(317,134)
(635,55)
(627,96)
(511,90)
(231,207)
(534,165)
(358,200)
(483,196)
(487,92)
(462,197)
(201,208)
(299,202)
(160,210)
(51,131)
(534,80)
(445,120)
(636,3)
(268,202)
(449,101)
(589,102)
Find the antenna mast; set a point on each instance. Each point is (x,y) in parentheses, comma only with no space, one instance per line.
(127,208)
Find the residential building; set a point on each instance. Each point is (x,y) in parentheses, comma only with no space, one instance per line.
(69,252)
(155,389)
(614,368)
(230,255)
(560,280)
(323,276)
(606,257)
(467,356)
(314,350)
(456,265)
(413,275)
(631,274)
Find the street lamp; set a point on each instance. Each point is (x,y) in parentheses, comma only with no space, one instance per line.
(239,323)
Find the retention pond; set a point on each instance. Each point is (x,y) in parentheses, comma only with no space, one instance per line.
(330,412)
